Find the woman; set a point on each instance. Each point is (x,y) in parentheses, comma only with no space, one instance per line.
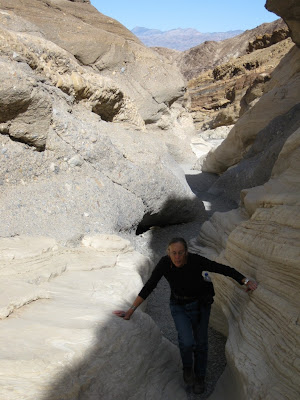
(190,304)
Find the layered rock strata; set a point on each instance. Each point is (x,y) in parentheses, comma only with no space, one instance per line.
(281,94)
(210,54)
(223,94)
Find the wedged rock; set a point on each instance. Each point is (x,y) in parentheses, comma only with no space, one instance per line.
(63,341)
(207,140)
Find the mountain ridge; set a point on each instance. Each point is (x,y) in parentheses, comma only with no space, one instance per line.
(179,38)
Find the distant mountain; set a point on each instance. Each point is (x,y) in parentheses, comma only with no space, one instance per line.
(179,39)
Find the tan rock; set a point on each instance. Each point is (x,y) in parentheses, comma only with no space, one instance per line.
(103,44)
(210,54)
(290,13)
(221,95)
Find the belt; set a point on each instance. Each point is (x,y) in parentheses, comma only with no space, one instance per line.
(185,298)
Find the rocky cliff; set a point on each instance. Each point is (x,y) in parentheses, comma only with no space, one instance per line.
(210,54)
(220,95)
(259,166)
(83,106)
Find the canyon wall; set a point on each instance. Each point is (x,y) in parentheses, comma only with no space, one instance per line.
(91,123)
(92,127)
(259,162)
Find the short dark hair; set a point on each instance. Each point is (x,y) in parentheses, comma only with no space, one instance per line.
(179,240)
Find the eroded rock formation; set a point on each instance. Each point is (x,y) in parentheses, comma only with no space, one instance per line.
(281,94)
(261,239)
(89,135)
(209,55)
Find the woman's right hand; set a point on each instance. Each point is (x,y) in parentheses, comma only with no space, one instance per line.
(122,314)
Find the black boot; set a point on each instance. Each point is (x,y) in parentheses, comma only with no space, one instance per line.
(199,385)
(188,376)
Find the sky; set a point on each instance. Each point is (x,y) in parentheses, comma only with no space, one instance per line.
(203,15)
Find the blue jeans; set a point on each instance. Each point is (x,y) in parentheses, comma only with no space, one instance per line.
(191,322)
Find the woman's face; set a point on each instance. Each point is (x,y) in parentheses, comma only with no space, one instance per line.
(177,253)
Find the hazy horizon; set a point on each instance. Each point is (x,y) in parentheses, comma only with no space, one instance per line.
(217,16)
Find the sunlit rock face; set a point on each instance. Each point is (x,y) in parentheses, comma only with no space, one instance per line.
(282,94)
(100,44)
(227,88)
(289,11)
(62,340)
(260,239)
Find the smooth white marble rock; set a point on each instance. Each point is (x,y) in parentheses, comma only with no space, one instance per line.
(263,346)
(62,340)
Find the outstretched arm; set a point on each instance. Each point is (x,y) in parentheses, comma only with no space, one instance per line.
(127,314)
(156,275)
(213,266)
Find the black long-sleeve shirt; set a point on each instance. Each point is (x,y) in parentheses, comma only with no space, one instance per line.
(187,281)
